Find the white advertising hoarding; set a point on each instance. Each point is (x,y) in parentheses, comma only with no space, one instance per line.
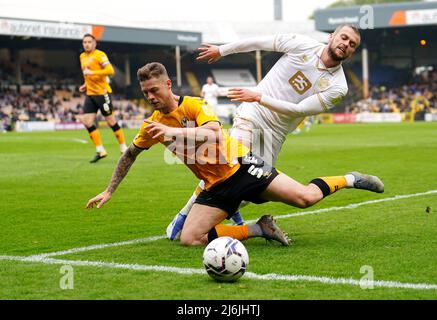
(27,28)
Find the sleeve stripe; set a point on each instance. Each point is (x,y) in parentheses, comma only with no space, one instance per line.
(209,121)
(274,43)
(322,103)
(139,147)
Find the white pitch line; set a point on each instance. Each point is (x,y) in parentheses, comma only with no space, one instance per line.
(96,247)
(113,265)
(80,140)
(352,205)
(250,275)
(50,139)
(350,281)
(154,238)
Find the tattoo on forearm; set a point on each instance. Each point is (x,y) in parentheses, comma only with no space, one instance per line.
(123,166)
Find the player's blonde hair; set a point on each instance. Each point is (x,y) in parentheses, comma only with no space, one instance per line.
(151,70)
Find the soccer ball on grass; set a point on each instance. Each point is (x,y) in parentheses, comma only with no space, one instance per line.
(225,259)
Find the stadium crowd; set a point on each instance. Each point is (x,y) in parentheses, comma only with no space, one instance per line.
(420,95)
(56,103)
(54,96)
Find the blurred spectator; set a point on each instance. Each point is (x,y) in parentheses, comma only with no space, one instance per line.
(210,92)
(49,104)
(419,96)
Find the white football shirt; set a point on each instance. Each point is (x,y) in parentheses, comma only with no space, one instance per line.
(210,92)
(298,77)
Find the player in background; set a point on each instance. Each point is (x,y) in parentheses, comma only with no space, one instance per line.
(96,70)
(307,80)
(230,171)
(309,121)
(305,125)
(210,92)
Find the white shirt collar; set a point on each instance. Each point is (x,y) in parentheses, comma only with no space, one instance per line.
(321,66)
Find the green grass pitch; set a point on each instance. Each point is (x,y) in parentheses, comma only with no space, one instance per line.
(46,180)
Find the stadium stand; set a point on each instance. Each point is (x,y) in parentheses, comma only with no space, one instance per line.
(38,103)
(419,96)
(51,94)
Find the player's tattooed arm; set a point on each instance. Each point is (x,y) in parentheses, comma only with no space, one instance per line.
(123,166)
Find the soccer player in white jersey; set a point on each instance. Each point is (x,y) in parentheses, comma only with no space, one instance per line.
(210,92)
(307,80)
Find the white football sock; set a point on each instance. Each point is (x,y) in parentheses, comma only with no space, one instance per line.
(350,179)
(184,211)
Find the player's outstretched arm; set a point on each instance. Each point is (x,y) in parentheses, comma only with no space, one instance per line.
(210,131)
(212,53)
(264,43)
(243,95)
(122,168)
(311,105)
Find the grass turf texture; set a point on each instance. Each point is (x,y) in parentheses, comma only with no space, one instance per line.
(46,180)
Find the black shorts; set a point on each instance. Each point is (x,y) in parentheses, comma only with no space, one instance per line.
(250,180)
(94,103)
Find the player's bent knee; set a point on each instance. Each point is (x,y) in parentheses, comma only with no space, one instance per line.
(305,202)
(190,240)
(111,121)
(306,199)
(87,122)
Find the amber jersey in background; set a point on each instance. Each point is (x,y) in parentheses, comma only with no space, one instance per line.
(98,82)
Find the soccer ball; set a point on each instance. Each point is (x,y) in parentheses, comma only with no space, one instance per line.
(225,259)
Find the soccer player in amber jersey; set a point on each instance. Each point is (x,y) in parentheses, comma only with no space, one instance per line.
(96,70)
(307,80)
(230,171)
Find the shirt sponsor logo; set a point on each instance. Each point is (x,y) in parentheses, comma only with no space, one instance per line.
(300,82)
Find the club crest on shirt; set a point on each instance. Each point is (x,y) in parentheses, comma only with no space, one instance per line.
(300,82)
(323,83)
(184,122)
(304,58)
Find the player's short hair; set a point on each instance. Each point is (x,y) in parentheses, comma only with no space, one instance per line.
(88,35)
(354,28)
(151,70)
